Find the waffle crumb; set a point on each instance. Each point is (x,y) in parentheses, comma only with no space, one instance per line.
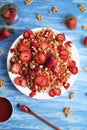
(28,2)
(67,111)
(40,17)
(0,52)
(82,8)
(55,9)
(1,82)
(72,95)
(84,27)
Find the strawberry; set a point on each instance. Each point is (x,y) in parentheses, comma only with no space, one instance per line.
(72,63)
(7,14)
(20,81)
(73,69)
(60,37)
(16,68)
(63,54)
(51,61)
(13,59)
(23,47)
(57,91)
(71,22)
(44,45)
(35,45)
(56,69)
(32,94)
(28,34)
(13,11)
(51,93)
(41,80)
(25,56)
(5,33)
(40,57)
(85,41)
(66,85)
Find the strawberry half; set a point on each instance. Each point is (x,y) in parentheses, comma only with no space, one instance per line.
(51,61)
(40,58)
(60,37)
(25,56)
(23,47)
(20,81)
(41,80)
(71,22)
(16,68)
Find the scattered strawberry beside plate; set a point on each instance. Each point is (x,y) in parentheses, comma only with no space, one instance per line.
(71,22)
(85,41)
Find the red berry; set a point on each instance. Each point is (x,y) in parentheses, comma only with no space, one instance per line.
(7,14)
(51,93)
(66,85)
(68,43)
(35,45)
(20,81)
(40,58)
(16,68)
(85,41)
(25,56)
(41,80)
(32,94)
(23,83)
(60,37)
(26,35)
(23,47)
(5,33)
(72,63)
(57,91)
(44,45)
(51,61)
(71,22)
(74,69)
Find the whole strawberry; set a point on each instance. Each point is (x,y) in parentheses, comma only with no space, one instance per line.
(71,22)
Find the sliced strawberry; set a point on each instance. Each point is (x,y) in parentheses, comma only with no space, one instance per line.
(72,63)
(12,50)
(7,14)
(40,57)
(20,81)
(41,80)
(23,83)
(56,69)
(51,93)
(32,94)
(57,91)
(51,61)
(68,43)
(64,57)
(64,52)
(17,80)
(16,68)
(66,85)
(35,45)
(25,56)
(44,45)
(13,59)
(74,69)
(26,35)
(23,47)
(60,37)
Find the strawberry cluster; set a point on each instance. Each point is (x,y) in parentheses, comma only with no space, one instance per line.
(43,61)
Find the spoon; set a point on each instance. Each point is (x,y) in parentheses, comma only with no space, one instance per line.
(28,110)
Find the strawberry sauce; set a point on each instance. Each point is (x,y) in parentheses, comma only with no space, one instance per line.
(5,109)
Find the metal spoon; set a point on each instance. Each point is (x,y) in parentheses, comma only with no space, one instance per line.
(28,110)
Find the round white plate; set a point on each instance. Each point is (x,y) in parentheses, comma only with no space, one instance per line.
(42,95)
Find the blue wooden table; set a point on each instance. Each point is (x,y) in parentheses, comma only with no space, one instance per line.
(50,109)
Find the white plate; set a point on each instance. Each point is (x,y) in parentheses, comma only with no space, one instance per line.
(42,95)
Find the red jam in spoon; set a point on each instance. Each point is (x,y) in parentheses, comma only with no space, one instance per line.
(5,109)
